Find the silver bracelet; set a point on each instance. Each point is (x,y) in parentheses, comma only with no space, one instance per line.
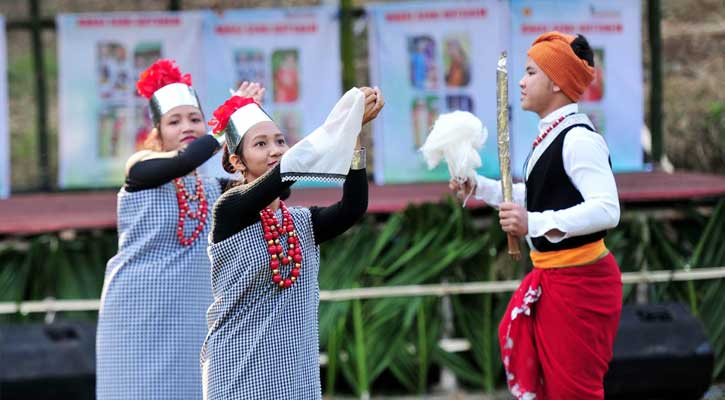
(358,159)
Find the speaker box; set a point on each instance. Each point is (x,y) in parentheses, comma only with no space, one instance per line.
(47,362)
(661,352)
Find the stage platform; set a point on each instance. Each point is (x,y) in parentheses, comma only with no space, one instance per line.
(30,214)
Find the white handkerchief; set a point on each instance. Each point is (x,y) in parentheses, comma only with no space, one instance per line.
(326,153)
(456,137)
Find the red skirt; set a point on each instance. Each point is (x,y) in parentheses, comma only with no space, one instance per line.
(558,331)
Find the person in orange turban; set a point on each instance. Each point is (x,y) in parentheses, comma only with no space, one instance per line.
(558,331)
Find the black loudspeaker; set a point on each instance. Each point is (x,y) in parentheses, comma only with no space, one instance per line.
(48,362)
(661,353)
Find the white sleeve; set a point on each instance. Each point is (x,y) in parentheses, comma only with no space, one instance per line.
(586,162)
(489,190)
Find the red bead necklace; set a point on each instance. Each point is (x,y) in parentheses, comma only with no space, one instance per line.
(272,236)
(183,198)
(543,134)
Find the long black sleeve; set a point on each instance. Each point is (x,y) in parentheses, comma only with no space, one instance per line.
(239,206)
(329,222)
(154,172)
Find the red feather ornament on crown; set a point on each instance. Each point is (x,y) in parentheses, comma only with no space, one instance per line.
(161,73)
(225,111)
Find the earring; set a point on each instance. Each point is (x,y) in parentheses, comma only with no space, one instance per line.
(244,177)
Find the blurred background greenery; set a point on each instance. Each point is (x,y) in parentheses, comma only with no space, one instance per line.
(373,345)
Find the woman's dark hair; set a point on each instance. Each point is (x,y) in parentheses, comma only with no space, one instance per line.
(153,140)
(581,48)
(226,164)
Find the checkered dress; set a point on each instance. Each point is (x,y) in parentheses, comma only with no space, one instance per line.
(263,341)
(151,323)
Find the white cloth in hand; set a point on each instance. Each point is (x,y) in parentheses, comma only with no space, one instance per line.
(456,137)
(326,153)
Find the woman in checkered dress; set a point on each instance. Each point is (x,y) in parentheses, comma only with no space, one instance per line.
(263,337)
(156,291)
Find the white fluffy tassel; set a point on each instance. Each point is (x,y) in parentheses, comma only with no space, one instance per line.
(456,138)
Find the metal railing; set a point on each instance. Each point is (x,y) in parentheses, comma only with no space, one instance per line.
(51,305)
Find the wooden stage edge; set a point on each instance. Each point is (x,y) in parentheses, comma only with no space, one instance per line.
(30,214)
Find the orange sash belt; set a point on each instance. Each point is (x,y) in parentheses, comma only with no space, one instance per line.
(582,255)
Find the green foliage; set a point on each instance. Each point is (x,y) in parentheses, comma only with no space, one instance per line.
(372,342)
(49,266)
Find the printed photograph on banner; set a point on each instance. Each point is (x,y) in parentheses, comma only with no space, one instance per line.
(250,65)
(424,111)
(290,123)
(596,115)
(595,91)
(143,124)
(459,102)
(144,54)
(113,73)
(456,60)
(285,72)
(112,121)
(423,62)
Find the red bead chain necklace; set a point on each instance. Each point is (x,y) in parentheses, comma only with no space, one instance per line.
(543,134)
(273,233)
(184,198)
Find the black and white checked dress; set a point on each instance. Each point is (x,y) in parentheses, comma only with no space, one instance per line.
(263,340)
(151,324)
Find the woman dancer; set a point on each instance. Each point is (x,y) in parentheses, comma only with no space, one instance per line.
(156,291)
(263,338)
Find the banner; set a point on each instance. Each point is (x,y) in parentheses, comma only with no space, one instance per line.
(431,58)
(4,124)
(614,101)
(102,118)
(293,52)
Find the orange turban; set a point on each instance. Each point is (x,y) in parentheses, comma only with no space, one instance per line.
(552,52)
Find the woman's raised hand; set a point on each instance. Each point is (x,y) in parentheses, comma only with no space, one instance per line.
(251,89)
(374,102)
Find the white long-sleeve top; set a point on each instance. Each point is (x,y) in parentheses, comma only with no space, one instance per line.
(586,162)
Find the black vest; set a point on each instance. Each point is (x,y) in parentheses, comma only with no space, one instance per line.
(548,187)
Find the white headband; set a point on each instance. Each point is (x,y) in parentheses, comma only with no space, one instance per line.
(170,96)
(240,122)
(248,116)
